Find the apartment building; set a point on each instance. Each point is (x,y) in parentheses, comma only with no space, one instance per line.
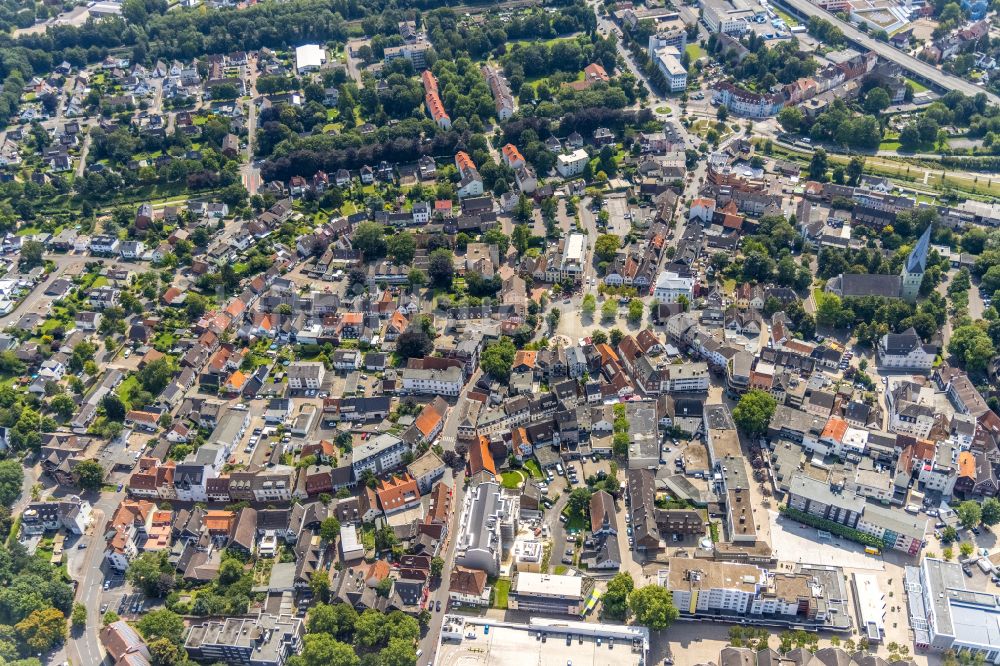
(486,529)
(712,589)
(306,375)
(897,530)
(572,164)
(267,640)
(418,381)
(381,454)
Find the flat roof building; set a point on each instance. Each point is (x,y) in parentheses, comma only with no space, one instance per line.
(486,529)
(267,640)
(869,602)
(466,640)
(953,617)
(548,593)
(309,58)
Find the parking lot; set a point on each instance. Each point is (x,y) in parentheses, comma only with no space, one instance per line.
(619,215)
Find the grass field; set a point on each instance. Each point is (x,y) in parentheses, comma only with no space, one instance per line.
(694,51)
(534,469)
(500,593)
(792,22)
(126,388)
(512,480)
(937,179)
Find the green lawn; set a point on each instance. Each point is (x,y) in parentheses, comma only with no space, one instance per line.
(917,87)
(164,341)
(512,480)
(500,593)
(694,51)
(578,523)
(126,388)
(787,17)
(534,469)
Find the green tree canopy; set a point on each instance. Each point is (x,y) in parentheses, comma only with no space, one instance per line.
(754,411)
(970,514)
(653,607)
(991,511)
(11,480)
(615,599)
(89,474)
(606,246)
(325,650)
(498,358)
(162,623)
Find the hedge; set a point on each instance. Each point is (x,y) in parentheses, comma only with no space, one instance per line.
(832,527)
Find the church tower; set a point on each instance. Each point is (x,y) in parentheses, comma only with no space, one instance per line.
(915,267)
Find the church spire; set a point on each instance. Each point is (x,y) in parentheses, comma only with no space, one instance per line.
(917,261)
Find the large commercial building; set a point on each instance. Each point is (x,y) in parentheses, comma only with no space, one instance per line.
(548,593)
(668,61)
(671,286)
(730,17)
(704,588)
(309,58)
(473,640)
(945,615)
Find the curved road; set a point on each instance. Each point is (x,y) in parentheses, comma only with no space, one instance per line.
(920,68)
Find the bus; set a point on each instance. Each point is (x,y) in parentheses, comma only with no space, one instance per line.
(873,551)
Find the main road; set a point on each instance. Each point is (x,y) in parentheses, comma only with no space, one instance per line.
(84,646)
(920,68)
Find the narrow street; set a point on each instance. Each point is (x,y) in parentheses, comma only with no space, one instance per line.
(249,171)
(81,164)
(457,481)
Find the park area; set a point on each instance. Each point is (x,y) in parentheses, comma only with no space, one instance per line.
(515,478)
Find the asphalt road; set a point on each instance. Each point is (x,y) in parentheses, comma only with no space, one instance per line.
(428,643)
(84,647)
(62,261)
(942,80)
